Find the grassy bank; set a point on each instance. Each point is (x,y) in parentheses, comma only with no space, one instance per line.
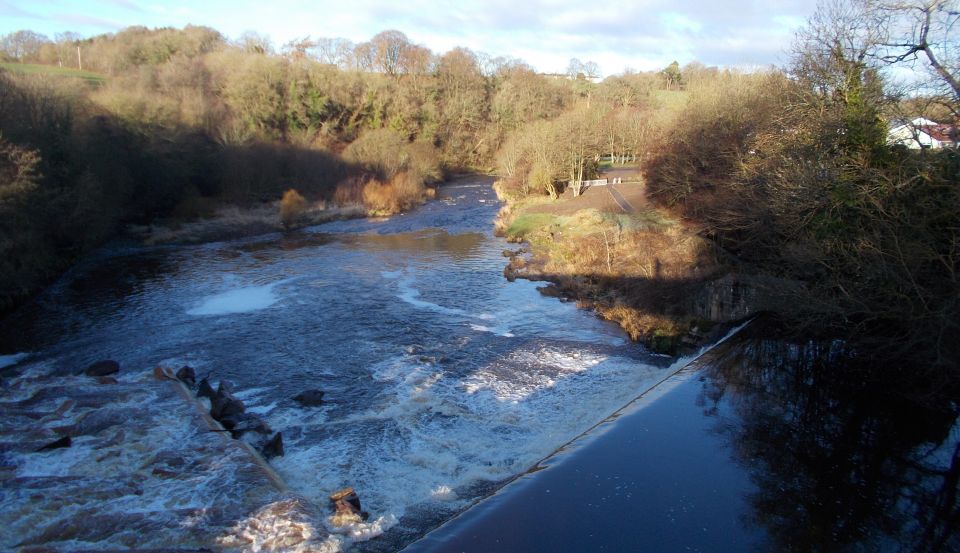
(232,221)
(34,69)
(638,269)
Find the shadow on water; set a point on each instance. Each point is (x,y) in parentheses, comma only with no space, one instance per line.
(837,463)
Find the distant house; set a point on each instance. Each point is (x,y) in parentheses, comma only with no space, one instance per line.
(923,133)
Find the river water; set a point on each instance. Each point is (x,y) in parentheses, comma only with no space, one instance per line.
(442,379)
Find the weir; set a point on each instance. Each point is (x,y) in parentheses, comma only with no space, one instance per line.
(146,467)
(470,530)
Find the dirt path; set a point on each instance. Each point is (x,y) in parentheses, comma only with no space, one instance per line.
(621,198)
(621,201)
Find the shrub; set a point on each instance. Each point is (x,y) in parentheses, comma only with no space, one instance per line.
(292,208)
(399,194)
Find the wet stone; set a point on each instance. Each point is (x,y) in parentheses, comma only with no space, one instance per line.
(65,441)
(346,506)
(187,375)
(310,398)
(205,390)
(102,368)
(274,447)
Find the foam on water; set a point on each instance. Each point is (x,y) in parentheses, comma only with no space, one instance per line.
(411,295)
(431,435)
(239,300)
(9,360)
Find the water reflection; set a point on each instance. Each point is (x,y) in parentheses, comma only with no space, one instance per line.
(839,463)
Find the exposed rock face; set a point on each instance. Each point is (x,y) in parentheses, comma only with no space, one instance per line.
(310,398)
(273,448)
(187,375)
(733,297)
(102,368)
(346,507)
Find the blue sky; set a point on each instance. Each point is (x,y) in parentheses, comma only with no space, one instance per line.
(638,34)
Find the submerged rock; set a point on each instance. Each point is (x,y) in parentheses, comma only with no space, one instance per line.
(101,419)
(205,390)
(273,448)
(102,368)
(310,398)
(187,375)
(58,444)
(238,425)
(106,380)
(550,291)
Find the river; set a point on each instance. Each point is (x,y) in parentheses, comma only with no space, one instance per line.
(442,379)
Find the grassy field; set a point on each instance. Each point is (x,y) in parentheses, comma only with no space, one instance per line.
(32,69)
(671,100)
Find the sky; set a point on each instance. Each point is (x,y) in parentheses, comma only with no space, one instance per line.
(618,35)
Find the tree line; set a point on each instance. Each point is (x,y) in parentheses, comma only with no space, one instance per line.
(790,174)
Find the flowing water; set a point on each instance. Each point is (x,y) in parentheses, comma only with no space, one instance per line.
(442,379)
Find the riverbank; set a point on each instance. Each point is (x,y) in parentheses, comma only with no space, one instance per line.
(231,222)
(228,222)
(610,251)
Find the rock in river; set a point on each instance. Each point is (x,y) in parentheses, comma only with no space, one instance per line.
(346,505)
(205,390)
(187,375)
(310,398)
(273,448)
(224,404)
(62,442)
(102,368)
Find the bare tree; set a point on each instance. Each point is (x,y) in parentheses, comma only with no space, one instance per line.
(21,45)
(255,43)
(389,49)
(333,51)
(297,48)
(575,68)
(592,69)
(929,27)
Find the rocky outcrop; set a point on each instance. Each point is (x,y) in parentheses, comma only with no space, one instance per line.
(346,507)
(735,296)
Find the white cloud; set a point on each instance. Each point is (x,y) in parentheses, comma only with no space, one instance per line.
(643,34)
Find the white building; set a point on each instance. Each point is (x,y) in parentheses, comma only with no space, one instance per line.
(923,133)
